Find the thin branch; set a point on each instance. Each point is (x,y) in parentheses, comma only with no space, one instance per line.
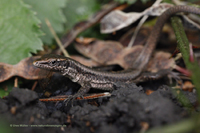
(144,18)
(56,38)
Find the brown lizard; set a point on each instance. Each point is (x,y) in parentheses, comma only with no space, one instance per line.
(90,78)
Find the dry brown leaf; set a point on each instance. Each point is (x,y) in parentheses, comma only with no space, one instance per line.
(126,56)
(110,52)
(148,92)
(117,19)
(100,51)
(23,69)
(161,60)
(188,86)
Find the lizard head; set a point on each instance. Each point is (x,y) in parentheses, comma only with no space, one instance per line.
(52,62)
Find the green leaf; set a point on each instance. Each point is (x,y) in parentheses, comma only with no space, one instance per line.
(79,10)
(6,87)
(51,10)
(19,31)
(5,126)
(184,126)
(183,45)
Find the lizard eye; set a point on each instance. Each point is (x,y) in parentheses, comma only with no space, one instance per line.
(53,62)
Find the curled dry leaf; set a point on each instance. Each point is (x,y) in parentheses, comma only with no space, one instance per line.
(23,69)
(117,19)
(111,52)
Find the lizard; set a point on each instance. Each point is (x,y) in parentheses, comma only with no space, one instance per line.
(90,78)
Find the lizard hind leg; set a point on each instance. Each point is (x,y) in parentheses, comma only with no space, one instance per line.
(160,74)
(83,90)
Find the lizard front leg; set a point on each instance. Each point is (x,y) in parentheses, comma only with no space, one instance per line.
(83,90)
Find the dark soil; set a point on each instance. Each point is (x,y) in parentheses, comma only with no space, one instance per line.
(129,109)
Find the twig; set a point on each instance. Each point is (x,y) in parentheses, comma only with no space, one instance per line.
(56,38)
(16,82)
(63,97)
(144,18)
(34,85)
